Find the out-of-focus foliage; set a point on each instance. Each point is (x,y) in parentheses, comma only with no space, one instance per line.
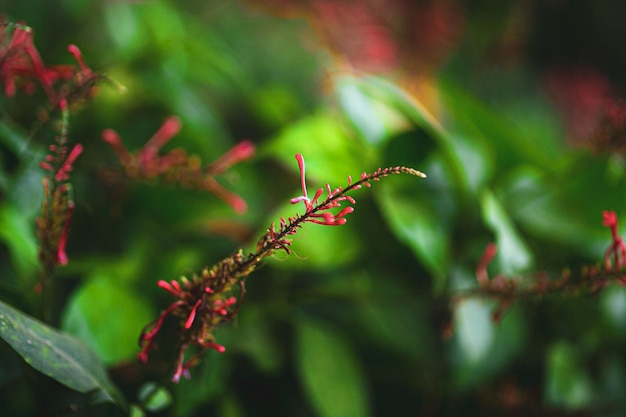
(519,127)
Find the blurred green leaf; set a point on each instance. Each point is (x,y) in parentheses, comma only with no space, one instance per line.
(331,154)
(613,304)
(16,231)
(56,354)
(416,112)
(107,316)
(136,411)
(511,139)
(274,106)
(330,371)
(567,383)
(124,26)
(513,253)
(416,219)
(475,328)
(475,158)
(253,336)
(554,207)
(154,398)
(208,384)
(18,142)
(483,348)
(400,322)
(367,108)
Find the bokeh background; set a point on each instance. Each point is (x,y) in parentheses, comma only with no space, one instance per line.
(513,109)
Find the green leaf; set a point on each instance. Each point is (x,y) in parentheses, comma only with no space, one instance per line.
(125,29)
(17,141)
(475,329)
(56,354)
(514,139)
(416,112)
(364,104)
(107,317)
(613,307)
(567,383)
(483,349)
(513,253)
(254,337)
(418,220)
(330,372)
(16,231)
(538,201)
(399,322)
(331,154)
(206,387)
(154,398)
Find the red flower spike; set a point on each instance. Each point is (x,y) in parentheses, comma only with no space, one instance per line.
(345,211)
(176,166)
(175,284)
(617,249)
(168,129)
(481,269)
(240,152)
(147,338)
(46,166)
(304,197)
(84,68)
(111,137)
(192,315)
(171,288)
(181,369)
(215,346)
(237,203)
(63,172)
(61,255)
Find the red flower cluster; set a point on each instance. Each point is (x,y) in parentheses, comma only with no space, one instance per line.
(203,303)
(322,215)
(177,167)
(21,67)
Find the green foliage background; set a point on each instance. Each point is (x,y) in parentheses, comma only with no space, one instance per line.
(352,324)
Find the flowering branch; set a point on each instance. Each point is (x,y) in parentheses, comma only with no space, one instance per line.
(176,167)
(57,207)
(206,301)
(590,280)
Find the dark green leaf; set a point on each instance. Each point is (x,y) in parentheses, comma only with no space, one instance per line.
(56,354)
(420,221)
